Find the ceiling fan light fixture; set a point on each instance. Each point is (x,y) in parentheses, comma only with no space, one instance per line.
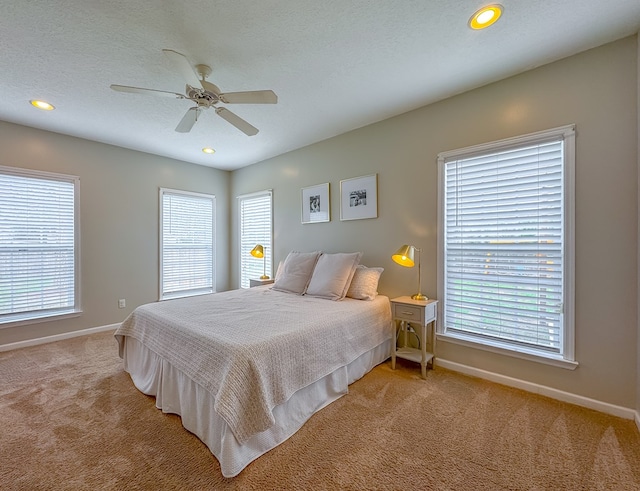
(486,16)
(45,106)
(208,150)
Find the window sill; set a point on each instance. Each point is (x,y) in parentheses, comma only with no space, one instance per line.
(523,354)
(176,295)
(23,321)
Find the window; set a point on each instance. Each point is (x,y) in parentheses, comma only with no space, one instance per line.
(39,245)
(187,223)
(255,228)
(505,256)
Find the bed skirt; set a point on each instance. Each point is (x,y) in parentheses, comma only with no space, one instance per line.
(177,394)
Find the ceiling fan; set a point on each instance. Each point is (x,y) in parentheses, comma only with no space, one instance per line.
(205,95)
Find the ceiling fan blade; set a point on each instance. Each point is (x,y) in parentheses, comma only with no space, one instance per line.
(188,120)
(139,90)
(236,121)
(250,97)
(183,65)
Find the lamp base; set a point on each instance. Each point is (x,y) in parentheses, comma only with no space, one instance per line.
(264,277)
(419,296)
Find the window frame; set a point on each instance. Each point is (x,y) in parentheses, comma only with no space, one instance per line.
(566,357)
(191,292)
(269,249)
(45,315)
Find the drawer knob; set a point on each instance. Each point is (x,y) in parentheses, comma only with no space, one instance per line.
(407,313)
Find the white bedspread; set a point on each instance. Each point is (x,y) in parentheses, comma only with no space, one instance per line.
(252,349)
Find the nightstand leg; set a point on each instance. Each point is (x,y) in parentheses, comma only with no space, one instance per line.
(394,345)
(433,344)
(423,349)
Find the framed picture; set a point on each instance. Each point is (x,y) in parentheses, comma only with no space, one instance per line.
(359,198)
(315,204)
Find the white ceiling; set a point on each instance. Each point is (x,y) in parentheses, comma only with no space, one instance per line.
(336,65)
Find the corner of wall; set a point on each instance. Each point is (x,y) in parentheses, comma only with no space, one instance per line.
(638,240)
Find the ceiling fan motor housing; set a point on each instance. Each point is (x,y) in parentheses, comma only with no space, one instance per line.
(204,97)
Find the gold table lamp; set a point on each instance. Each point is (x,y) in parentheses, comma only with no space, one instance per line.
(405,257)
(259,252)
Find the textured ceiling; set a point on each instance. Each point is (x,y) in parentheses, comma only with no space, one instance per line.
(335,65)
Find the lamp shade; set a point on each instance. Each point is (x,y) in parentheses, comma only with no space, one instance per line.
(257,251)
(405,256)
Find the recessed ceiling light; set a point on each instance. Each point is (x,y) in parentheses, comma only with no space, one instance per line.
(45,106)
(208,150)
(485,16)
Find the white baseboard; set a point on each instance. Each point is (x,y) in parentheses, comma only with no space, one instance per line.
(57,337)
(560,395)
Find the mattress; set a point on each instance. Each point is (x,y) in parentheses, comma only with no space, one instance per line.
(303,353)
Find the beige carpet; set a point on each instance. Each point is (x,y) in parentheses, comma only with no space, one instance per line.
(71,419)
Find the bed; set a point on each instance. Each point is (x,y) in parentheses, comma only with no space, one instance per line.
(245,369)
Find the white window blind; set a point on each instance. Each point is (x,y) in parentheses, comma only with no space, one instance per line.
(186,243)
(505,251)
(38,245)
(255,228)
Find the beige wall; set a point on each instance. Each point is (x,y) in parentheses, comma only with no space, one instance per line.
(119,219)
(638,244)
(597,91)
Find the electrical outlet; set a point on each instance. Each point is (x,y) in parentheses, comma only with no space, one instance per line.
(122,303)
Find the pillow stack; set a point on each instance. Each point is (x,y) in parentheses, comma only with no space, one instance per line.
(296,272)
(329,276)
(364,285)
(332,275)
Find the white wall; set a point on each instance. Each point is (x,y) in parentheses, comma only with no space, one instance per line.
(118,219)
(596,90)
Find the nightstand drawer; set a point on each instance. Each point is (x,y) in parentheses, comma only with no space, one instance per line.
(409,313)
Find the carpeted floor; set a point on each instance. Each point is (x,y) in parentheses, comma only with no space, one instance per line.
(71,419)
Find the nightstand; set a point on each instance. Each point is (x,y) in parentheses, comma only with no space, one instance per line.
(259,282)
(414,316)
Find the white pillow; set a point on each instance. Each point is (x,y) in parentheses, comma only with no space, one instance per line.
(364,285)
(332,275)
(279,270)
(296,272)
